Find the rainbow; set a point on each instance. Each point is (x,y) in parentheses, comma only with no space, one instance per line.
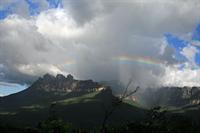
(66,64)
(142,60)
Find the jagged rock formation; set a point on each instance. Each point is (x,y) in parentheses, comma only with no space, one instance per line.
(61,83)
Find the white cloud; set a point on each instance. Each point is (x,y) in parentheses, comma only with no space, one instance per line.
(58,23)
(181,77)
(195,43)
(38,69)
(8,84)
(83,38)
(190,52)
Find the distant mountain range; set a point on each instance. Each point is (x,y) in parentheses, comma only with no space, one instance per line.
(163,96)
(80,102)
(85,103)
(170,96)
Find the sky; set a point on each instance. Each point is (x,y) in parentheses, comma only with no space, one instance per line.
(154,42)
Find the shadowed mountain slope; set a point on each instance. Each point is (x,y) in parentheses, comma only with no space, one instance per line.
(80,102)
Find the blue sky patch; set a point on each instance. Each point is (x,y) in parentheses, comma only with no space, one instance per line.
(176,42)
(180,57)
(34,7)
(55,3)
(197,58)
(4,13)
(9,88)
(181,66)
(196,33)
(7,10)
(179,44)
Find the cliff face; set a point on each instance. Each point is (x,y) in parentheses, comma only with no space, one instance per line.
(61,83)
(172,96)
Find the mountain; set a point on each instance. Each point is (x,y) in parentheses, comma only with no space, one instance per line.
(184,101)
(162,96)
(61,83)
(118,87)
(84,104)
(80,102)
(171,96)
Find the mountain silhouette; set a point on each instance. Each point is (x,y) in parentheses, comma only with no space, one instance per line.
(80,102)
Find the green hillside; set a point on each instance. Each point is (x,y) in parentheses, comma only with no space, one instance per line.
(62,103)
(79,108)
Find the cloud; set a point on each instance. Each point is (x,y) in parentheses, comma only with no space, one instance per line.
(190,52)
(186,47)
(38,69)
(84,36)
(9,88)
(24,48)
(8,84)
(58,23)
(87,9)
(185,77)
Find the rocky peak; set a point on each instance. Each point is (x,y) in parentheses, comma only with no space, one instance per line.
(70,77)
(64,84)
(60,77)
(48,77)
